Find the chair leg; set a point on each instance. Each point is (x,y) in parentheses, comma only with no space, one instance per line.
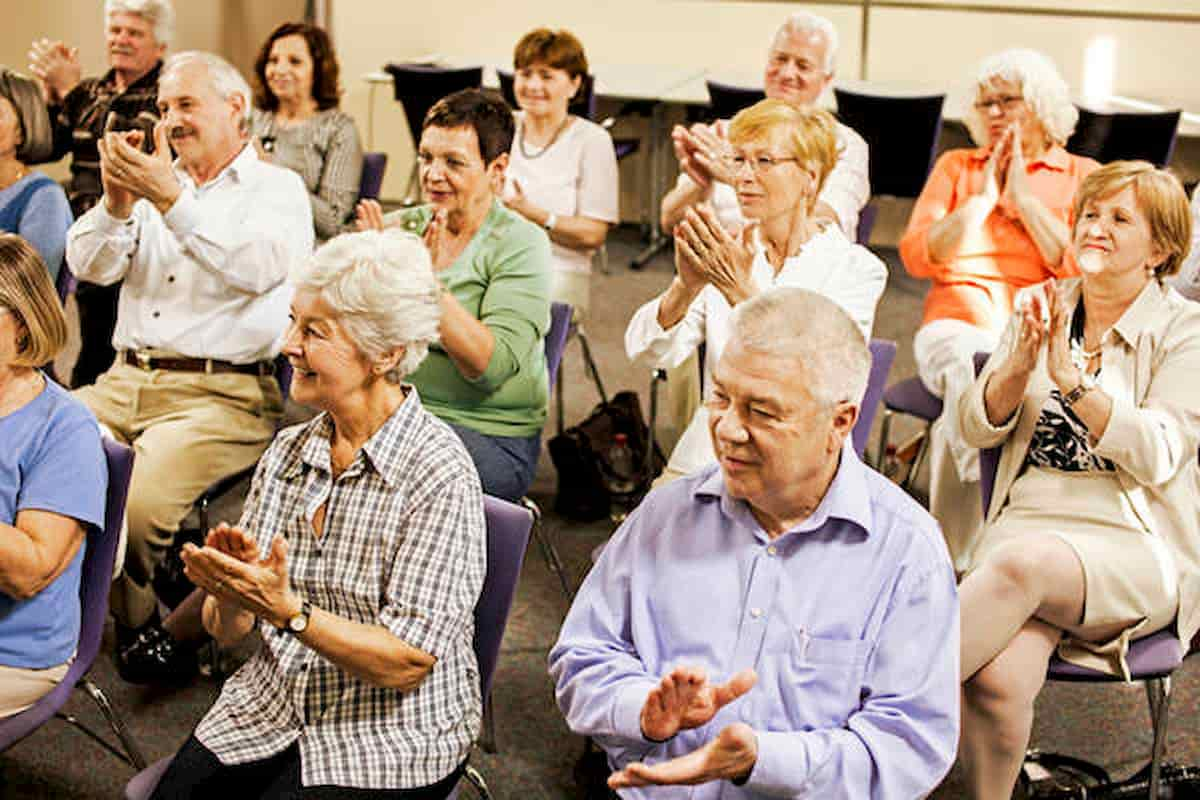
(918,459)
(475,779)
(1158,692)
(549,551)
(558,398)
(590,363)
(132,753)
(487,739)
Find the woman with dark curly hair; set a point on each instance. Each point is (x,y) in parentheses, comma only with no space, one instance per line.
(297,124)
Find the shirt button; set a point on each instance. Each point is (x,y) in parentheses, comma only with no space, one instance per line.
(772,551)
(170,279)
(756,612)
(304,667)
(155,315)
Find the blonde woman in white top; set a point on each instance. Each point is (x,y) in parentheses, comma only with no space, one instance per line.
(780,158)
(562,171)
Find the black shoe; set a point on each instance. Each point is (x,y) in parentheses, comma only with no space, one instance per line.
(155,658)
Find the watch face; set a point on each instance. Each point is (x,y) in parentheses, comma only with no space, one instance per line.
(298,623)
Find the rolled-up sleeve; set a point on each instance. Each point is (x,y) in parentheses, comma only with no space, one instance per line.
(437,572)
(937,200)
(1156,439)
(649,344)
(903,739)
(516,306)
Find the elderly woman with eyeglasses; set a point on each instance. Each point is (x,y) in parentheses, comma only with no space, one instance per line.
(780,158)
(990,221)
(52,485)
(1093,529)
(359,558)
(486,374)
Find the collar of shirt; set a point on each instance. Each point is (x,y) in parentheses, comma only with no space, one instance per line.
(1055,158)
(1143,314)
(245,162)
(848,498)
(376,452)
(109,78)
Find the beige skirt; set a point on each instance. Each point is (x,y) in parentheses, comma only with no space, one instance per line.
(1129,573)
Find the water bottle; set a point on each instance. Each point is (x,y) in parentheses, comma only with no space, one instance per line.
(620,478)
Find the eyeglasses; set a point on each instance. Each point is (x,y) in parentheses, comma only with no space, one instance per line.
(1005,102)
(758,164)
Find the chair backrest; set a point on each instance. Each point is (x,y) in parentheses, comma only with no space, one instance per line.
(283,374)
(583,104)
(373,169)
(508,527)
(95,581)
(726,100)
(419,86)
(883,353)
(866,223)
(556,337)
(65,283)
(1125,135)
(901,134)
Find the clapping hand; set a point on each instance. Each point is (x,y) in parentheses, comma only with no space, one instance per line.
(724,260)
(56,66)
(1016,183)
(1063,370)
(368,215)
(702,154)
(128,168)
(514,198)
(684,700)
(1032,329)
(260,586)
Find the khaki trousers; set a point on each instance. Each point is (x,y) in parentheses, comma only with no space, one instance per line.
(188,430)
(20,687)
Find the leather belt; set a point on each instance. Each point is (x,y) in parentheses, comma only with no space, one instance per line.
(209,366)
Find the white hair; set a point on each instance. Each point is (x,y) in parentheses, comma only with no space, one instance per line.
(796,323)
(1041,85)
(382,288)
(224,78)
(159,13)
(801,23)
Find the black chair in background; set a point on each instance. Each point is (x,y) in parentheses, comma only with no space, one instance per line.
(725,99)
(1124,135)
(418,86)
(374,167)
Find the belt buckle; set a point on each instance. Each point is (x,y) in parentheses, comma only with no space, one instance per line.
(143,360)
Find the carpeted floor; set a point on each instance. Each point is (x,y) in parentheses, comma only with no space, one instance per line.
(1108,724)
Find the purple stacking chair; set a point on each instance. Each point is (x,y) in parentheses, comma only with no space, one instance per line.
(373,169)
(66,283)
(1152,659)
(554,344)
(508,528)
(96,577)
(1125,135)
(908,397)
(883,353)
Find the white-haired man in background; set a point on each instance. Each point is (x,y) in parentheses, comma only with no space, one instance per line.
(800,65)
(204,244)
(136,35)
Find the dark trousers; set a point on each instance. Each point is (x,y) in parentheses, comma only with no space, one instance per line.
(196,773)
(97,319)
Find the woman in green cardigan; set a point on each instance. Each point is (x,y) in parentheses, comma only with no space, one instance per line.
(487,376)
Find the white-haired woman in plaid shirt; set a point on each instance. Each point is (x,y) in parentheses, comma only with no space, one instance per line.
(359,557)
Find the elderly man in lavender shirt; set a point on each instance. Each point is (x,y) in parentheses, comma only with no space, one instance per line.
(783,623)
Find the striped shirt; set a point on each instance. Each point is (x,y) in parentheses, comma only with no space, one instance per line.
(326,152)
(403,547)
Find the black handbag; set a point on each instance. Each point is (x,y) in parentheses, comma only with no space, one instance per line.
(581,457)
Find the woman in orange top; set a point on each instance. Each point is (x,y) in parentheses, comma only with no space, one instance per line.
(989,222)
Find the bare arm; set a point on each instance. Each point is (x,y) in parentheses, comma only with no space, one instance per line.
(36,550)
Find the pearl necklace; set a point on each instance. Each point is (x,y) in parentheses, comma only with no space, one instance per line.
(521,139)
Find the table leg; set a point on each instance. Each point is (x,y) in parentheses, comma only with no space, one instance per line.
(654,194)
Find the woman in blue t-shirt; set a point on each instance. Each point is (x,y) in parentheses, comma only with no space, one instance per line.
(52,485)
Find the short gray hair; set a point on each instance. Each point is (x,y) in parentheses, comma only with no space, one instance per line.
(804,22)
(382,288)
(797,323)
(159,13)
(1041,85)
(224,78)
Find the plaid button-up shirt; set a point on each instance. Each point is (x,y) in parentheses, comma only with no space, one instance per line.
(403,547)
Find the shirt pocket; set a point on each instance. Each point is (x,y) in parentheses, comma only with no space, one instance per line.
(823,682)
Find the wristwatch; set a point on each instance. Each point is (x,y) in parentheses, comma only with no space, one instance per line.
(298,623)
(1086,384)
(550,222)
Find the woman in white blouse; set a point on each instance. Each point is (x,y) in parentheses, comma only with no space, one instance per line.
(780,157)
(562,171)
